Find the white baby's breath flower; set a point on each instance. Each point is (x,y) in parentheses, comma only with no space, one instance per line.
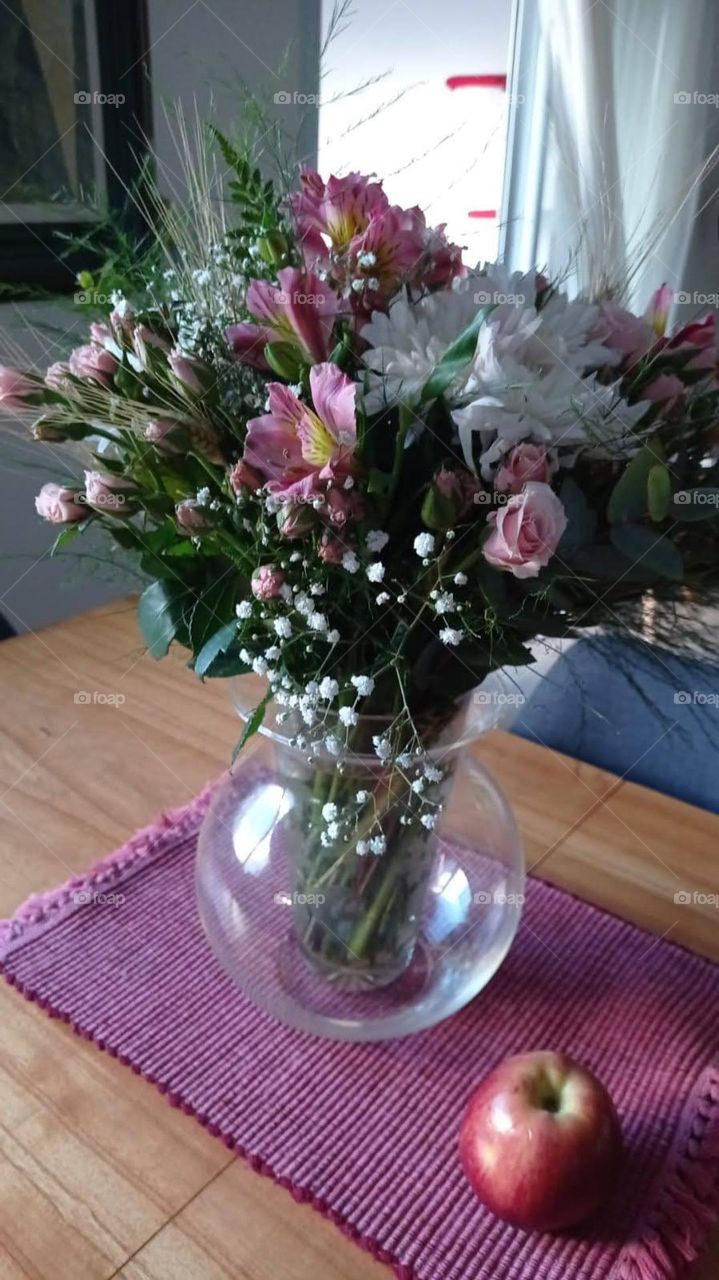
(333,745)
(382,598)
(282,628)
(451,636)
(333,830)
(445,602)
(259,666)
(429,820)
(244,609)
(333,636)
(432,773)
(350,562)
(329,811)
(376,571)
(317,621)
(328,688)
(273,653)
(424,545)
(362,847)
(418,786)
(363,684)
(382,746)
(378,844)
(348,716)
(362,797)
(460,579)
(376,540)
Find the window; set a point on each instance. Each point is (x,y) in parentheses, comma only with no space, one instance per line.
(73,112)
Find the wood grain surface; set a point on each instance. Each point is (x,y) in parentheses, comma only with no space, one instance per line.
(99,1178)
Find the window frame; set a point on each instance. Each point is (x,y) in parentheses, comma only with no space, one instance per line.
(30,252)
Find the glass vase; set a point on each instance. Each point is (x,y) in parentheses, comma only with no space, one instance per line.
(353,898)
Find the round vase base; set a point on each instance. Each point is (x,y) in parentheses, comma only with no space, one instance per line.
(245,870)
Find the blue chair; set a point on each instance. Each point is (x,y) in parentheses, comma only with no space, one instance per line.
(638,711)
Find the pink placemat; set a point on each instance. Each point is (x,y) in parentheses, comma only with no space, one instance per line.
(368,1133)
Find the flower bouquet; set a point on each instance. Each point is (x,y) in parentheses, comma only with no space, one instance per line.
(372,474)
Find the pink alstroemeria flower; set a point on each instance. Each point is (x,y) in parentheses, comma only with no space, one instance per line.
(300,309)
(330,214)
(299,450)
(702,336)
(660,304)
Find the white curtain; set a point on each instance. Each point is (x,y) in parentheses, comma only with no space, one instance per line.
(626,96)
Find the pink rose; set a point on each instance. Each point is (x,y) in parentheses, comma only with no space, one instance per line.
(107,493)
(16,391)
(526,531)
(458,487)
(59,505)
(267,582)
(295,519)
(94,363)
(243,477)
(524,462)
(100,333)
(191,516)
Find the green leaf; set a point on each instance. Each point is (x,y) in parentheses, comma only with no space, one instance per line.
(159,614)
(63,537)
(628,499)
(252,725)
(209,608)
(217,644)
(659,492)
(688,506)
(455,358)
(642,547)
(284,360)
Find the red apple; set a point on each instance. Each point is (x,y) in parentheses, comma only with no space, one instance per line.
(541,1142)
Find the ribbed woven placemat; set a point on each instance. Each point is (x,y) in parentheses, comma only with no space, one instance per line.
(368,1133)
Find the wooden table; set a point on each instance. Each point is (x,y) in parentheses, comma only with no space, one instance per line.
(98,1176)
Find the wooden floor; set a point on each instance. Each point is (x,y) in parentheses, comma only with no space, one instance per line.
(99,1177)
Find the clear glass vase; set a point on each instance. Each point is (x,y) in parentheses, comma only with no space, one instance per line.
(353,899)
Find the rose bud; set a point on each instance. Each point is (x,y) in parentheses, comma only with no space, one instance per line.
(331,550)
(93,363)
(58,504)
(525,462)
(294,520)
(16,391)
(57,376)
(191,517)
(100,333)
(46,430)
(187,370)
(160,432)
(108,494)
(243,477)
(267,582)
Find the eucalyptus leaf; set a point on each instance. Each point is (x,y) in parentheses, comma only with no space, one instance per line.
(643,548)
(628,499)
(659,492)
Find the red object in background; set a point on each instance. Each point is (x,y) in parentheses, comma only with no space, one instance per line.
(478,82)
(482,213)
